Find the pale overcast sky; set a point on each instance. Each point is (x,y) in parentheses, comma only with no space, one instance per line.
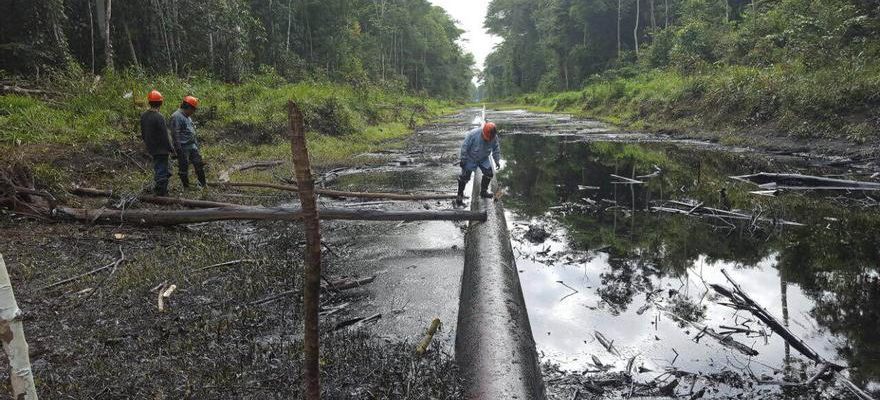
(470,15)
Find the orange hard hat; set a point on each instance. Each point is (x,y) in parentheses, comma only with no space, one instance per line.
(193,101)
(489,131)
(155,96)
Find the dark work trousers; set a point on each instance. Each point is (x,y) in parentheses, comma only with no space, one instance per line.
(185,157)
(468,170)
(161,173)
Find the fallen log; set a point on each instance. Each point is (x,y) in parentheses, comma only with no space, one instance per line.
(741,300)
(348,283)
(224,176)
(177,217)
(340,193)
(24,91)
(161,200)
(768,181)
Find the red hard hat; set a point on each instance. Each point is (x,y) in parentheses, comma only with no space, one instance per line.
(193,101)
(489,131)
(155,96)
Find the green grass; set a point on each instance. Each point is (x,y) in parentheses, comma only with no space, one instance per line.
(235,123)
(832,101)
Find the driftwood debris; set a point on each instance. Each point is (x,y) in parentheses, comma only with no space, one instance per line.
(340,193)
(114,264)
(429,336)
(274,297)
(607,344)
(625,181)
(701,211)
(14,344)
(10,89)
(160,200)
(742,301)
(772,181)
(164,293)
(223,264)
(224,176)
(724,339)
(347,283)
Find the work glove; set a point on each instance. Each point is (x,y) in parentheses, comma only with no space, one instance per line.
(461,163)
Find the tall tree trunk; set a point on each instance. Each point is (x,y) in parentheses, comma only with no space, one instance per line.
(108,42)
(164,30)
(287,43)
(211,39)
(619,6)
(14,344)
(312,281)
(653,17)
(636,29)
(134,56)
(92,35)
(666,13)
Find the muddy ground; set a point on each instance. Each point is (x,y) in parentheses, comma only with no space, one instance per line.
(234,331)
(226,332)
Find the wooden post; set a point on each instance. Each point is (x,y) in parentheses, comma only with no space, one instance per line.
(312,281)
(12,333)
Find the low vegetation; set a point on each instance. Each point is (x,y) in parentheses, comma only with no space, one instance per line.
(795,67)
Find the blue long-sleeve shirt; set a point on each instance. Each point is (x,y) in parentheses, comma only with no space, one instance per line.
(476,150)
(183,131)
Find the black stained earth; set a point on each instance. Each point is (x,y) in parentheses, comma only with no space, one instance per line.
(617,292)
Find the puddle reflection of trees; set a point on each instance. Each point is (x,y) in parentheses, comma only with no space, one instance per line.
(833,259)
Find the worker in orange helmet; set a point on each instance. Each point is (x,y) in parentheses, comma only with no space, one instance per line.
(154,132)
(478,145)
(186,143)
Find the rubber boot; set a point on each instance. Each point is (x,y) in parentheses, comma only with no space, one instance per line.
(161,188)
(459,200)
(200,174)
(184,180)
(484,187)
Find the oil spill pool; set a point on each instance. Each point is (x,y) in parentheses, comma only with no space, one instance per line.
(607,280)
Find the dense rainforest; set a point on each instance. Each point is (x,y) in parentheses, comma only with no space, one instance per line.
(803,67)
(361,41)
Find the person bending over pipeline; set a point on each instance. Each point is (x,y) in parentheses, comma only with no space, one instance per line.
(478,145)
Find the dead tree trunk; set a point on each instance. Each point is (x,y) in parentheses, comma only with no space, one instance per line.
(619,6)
(636,29)
(245,213)
(166,201)
(108,42)
(134,57)
(340,193)
(14,344)
(312,281)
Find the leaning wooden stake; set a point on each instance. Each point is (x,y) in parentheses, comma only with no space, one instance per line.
(312,282)
(12,333)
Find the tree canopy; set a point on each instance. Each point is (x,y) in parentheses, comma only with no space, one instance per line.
(557,45)
(403,43)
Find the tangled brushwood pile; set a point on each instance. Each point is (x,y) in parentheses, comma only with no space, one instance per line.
(17,192)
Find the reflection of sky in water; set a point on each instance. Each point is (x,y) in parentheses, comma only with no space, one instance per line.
(564,328)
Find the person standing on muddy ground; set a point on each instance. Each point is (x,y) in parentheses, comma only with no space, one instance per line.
(478,145)
(154,132)
(185,142)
